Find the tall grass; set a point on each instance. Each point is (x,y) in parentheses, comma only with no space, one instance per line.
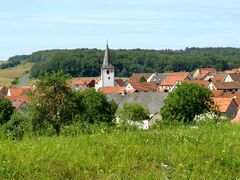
(202,152)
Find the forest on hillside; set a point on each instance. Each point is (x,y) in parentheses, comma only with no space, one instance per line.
(87,62)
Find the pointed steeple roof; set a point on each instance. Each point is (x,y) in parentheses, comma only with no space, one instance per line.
(107,61)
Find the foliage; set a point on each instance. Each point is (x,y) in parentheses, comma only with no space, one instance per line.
(17,126)
(87,62)
(142,79)
(132,111)
(96,108)
(15,81)
(51,101)
(6,110)
(187,101)
(207,152)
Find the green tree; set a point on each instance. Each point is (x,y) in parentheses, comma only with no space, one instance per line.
(95,107)
(52,102)
(186,101)
(132,111)
(142,79)
(6,110)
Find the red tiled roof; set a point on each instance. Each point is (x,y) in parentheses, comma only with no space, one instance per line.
(223,103)
(235,95)
(18,91)
(226,85)
(217,93)
(112,90)
(83,81)
(232,71)
(144,86)
(137,76)
(186,74)
(199,82)
(207,70)
(120,82)
(235,77)
(18,101)
(171,80)
(203,72)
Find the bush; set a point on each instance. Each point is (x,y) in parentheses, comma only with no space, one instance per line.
(95,108)
(6,110)
(133,112)
(185,102)
(17,126)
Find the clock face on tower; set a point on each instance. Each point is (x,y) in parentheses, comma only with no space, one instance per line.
(111,70)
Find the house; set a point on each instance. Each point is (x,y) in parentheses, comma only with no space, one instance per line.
(171,80)
(217,77)
(234,95)
(232,78)
(199,82)
(3,91)
(201,73)
(141,87)
(141,77)
(217,93)
(19,102)
(18,91)
(226,106)
(225,86)
(83,83)
(232,71)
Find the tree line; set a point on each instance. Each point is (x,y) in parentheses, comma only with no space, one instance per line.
(87,62)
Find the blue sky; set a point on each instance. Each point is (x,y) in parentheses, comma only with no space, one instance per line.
(32,25)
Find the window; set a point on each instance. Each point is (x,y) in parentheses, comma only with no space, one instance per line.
(108,77)
(107,71)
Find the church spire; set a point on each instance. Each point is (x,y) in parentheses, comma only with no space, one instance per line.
(107,61)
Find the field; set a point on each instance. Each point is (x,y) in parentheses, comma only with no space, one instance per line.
(7,75)
(167,152)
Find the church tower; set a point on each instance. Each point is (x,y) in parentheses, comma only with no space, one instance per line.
(107,71)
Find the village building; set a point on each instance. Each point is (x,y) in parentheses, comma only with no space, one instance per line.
(20,102)
(3,91)
(172,79)
(225,86)
(141,77)
(141,87)
(108,73)
(202,73)
(226,106)
(232,78)
(81,84)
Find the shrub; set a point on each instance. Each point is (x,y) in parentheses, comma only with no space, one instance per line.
(16,127)
(132,111)
(185,102)
(96,108)
(6,110)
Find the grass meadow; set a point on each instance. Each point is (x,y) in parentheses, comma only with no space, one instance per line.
(165,152)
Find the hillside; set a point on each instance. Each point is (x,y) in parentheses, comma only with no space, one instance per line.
(87,62)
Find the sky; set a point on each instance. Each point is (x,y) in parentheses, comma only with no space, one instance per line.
(32,25)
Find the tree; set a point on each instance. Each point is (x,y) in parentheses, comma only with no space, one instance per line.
(96,108)
(142,79)
(133,111)
(52,101)
(186,101)
(6,110)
